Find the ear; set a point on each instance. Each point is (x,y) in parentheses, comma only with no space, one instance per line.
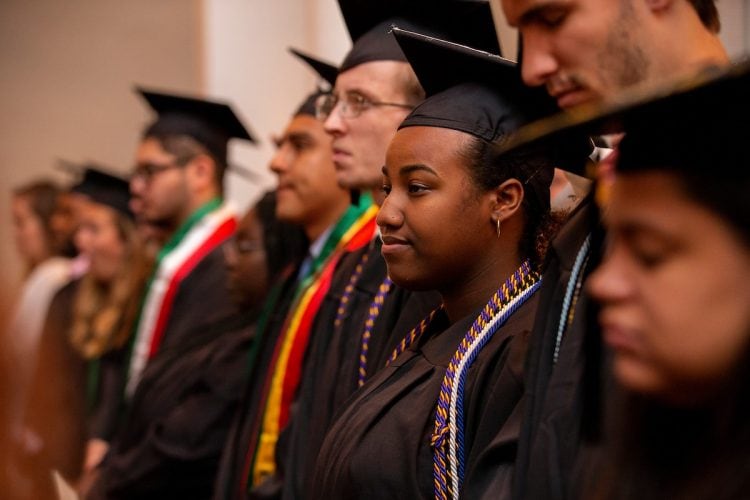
(202,170)
(506,200)
(658,5)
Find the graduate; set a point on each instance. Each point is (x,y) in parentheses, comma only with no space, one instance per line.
(472,227)
(170,437)
(309,197)
(365,314)
(72,415)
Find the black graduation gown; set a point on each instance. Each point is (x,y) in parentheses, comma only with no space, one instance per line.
(332,363)
(379,446)
(554,399)
(244,423)
(179,415)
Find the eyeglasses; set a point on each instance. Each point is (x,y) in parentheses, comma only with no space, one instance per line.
(351,106)
(147,171)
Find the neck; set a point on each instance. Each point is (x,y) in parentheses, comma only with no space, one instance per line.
(194,204)
(314,228)
(478,285)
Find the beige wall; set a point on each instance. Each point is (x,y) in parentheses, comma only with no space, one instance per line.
(247,60)
(67,71)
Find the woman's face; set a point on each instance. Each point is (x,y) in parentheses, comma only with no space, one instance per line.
(673,288)
(245,259)
(29,233)
(99,238)
(434,222)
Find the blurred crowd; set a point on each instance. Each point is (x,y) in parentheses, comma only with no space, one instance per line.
(474,279)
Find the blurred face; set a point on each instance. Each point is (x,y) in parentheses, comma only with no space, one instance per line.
(673,289)
(360,143)
(245,259)
(581,50)
(64,220)
(100,239)
(307,190)
(434,223)
(159,186)
(28,231)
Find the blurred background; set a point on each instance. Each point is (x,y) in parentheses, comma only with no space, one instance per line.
(68,68)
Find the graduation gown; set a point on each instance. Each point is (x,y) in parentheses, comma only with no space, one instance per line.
(331,368)
(179,415)
(554,400)
(379,447)
(234,455)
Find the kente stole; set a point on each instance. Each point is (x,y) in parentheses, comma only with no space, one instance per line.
(353,231)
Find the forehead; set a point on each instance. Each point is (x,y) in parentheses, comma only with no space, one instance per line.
(150,149)
(374,78)
(433,146)
(92,211)
(519,13)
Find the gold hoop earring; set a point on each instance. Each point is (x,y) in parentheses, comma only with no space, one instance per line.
(498,227)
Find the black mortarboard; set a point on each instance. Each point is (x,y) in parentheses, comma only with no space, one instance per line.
(327,73)
(369,23)
(210,123)
(477,93)
(687,124)
(103,187)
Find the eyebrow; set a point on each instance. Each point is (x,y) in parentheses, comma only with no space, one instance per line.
(407,169)
(536,12)
(292,137)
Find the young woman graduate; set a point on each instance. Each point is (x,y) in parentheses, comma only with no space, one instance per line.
(673,293)
(676,300)
(457,220)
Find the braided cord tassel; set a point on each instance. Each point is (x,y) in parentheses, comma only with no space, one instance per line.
(413,335)
(448,471)
(347,295)
(571,292)
(375,307)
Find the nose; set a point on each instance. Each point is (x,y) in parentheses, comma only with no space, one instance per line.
(389,216)
(538,63)
(137,185)
(334,124)
(230,255)
(280,161)
(609,283)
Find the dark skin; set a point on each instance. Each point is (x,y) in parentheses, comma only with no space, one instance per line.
(245,259)
(439,228)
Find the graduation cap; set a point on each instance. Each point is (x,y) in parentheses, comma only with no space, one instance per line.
(210,123)
(687,124)
(101,186)
(326,71)
(480,94)
(369,22)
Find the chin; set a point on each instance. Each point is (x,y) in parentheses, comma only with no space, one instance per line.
(638,377)
(409,281)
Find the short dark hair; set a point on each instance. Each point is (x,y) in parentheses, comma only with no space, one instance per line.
(708,14)
(184,147)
